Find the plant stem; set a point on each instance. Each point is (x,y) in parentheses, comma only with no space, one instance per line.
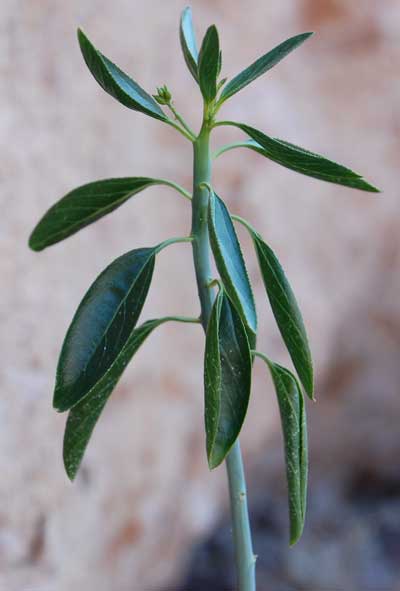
(244,557)
(201,249)
(181,130)
(181,120)
(175,186)
(227,147)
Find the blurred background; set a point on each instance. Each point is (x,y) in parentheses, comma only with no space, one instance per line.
(144,512)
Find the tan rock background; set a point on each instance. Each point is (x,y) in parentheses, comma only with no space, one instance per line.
(144,493)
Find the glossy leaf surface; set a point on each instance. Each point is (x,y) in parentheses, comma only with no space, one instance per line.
(229,260)
(209,63)
(116,83)
(262,65)
(286,312)
(188,42)
(293,418)
(84,416)
(303,161)
(102,325)
(83,206)
(227,379)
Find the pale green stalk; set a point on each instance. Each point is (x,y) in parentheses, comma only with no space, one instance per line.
(244,557)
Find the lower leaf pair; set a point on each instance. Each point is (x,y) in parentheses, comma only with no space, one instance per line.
(230,341)
(99,344)
(227,381)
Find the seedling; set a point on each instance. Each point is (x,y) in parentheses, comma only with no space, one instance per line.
(103,336)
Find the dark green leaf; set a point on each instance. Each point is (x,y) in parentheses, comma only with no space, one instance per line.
(188,42)
(84,416)
(262,65)
(83,206)
(286,311)
(229,260)
(209,60)
(227,379)
(293,417)
(303,161)
(219,64)
(116,83)
(102,325)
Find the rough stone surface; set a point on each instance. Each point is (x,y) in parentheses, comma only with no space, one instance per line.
(144,493)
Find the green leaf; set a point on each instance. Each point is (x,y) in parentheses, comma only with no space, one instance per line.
(227,379)
(209,60)
(188,42)
(262,65)
(83,206)
(116,83)
(286,311)
(293,418)
(229,260)
(84,416)
(303,161)
(102,325)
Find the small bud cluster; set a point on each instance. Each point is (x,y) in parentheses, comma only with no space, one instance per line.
(163,96)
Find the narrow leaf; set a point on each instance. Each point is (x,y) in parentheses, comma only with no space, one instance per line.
(293,418)
(83,206)
(102,325)
(84,416)
(209,63)
(303,161)
(229,260)
(286,311)
(227,379)
(262,65)
(188,42)
(116,83)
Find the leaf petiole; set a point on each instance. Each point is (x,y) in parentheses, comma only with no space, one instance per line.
(228,147)
(177,187)
(181,130)
(245,223)
(177,240)
(181,120)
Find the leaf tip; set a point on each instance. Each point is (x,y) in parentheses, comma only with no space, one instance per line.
(33,244)
(213,462)
(81,35)
(71,467)
(294,539)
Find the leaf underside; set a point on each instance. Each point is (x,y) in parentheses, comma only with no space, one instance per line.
(83,206)
(294,428)
(227,379)
(262,65)
(116,83)
(188,42)
(286,312)
(229,261)
(83,417)
(102,325)
(303,161)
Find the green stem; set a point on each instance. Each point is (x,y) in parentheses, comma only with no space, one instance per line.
(181,120)
(244,557)
(201,249)
(181,130)
(175,186)
(185,319)
(246,224)
(166,243)
(227,147)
